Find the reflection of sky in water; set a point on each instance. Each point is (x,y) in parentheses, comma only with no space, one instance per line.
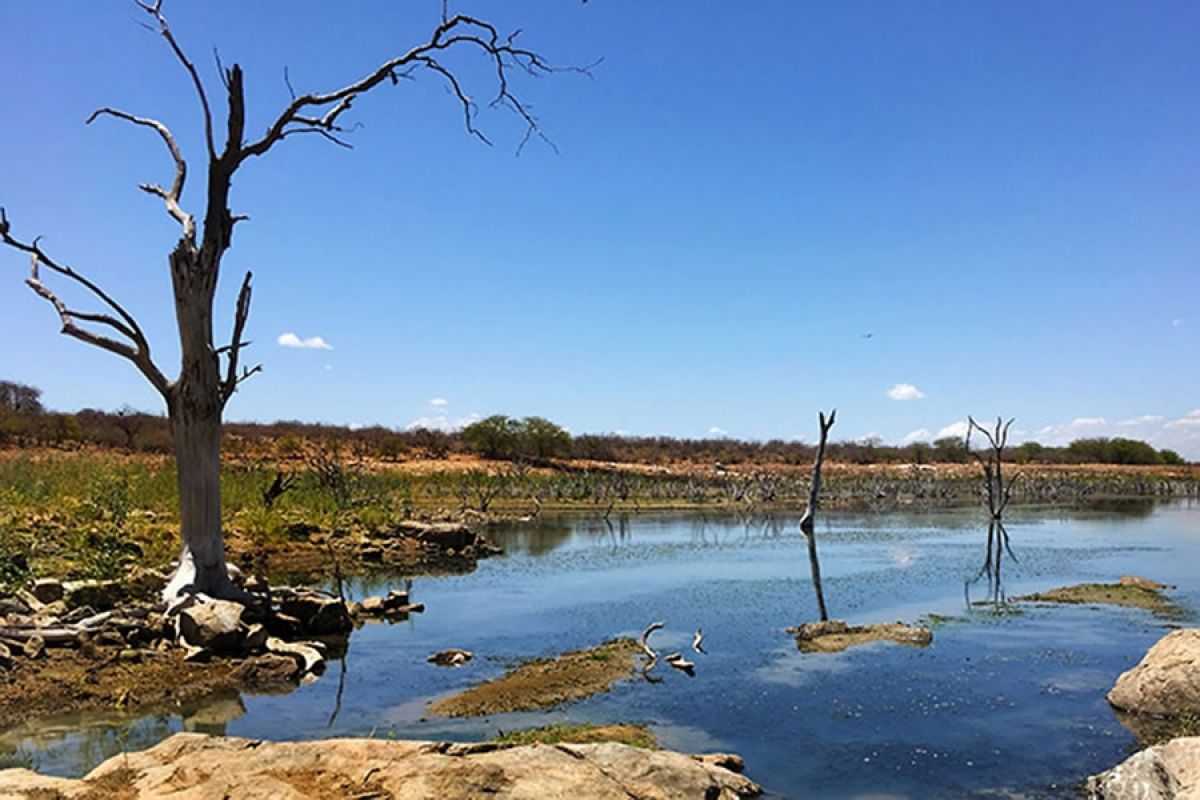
(1013,703)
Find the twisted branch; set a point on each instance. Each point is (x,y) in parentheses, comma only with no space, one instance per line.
(137,350)
(236,343)
(169,196)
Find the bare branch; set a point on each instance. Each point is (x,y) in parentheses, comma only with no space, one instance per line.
(169,196)
(460,29)
(155,10)
(136,350)
(236,343)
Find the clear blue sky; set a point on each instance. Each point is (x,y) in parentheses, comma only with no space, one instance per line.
(1005,194)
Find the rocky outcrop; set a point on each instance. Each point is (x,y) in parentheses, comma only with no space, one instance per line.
(1167,680)
(203,767)
(1168,771)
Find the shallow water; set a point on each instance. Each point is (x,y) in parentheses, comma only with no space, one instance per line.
(1012,704)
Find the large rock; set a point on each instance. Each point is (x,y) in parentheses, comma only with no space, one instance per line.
(319,615)
(1167,680)
(203,768)
(1168,771)
(214,625)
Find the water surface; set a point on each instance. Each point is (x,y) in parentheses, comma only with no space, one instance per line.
(1011,703)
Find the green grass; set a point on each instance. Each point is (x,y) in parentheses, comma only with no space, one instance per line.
(633,735)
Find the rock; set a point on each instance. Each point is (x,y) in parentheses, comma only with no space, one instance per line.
(373,606)
(1144,583)
(100,595)
(255,638)
(371,553)
(269,673)
(285,626)
(1169,771)
(1167,680)
(5,657)
(415,608)
(834,636)
(204,767)
(194,654)
(318,615)
(12,606)
(257,584)
(395,599)
(214,625)
(130,656)
(305,654)
(47,590)
(451,658)
(34,647)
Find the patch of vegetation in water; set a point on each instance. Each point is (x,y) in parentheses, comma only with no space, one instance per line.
(1127,595)
(566,733)
(545,683)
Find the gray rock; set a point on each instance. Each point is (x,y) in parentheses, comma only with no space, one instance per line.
(214,625)
(34,647)
(318,615)
(47,590)
(1168,771)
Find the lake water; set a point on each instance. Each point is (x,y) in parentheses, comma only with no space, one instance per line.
(1010,704)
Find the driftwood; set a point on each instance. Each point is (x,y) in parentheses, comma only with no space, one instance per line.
(807,521)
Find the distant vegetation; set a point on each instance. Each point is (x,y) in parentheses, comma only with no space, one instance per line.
(531,440)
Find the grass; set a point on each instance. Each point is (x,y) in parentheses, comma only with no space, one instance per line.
(1114,594)
(566,733)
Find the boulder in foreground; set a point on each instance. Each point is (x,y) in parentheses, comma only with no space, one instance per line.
(203,767)
(1166,682)
(1168,771)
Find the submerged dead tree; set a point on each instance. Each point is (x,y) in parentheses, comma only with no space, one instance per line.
(807,521)
(998,493)
(210,373)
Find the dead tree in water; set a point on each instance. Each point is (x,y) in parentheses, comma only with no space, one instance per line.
(999,494)
(806,522)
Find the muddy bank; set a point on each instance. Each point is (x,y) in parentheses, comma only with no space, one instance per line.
(545,683)
(204,767)
(566,733)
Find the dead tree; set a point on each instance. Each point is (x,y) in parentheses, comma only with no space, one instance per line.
(277,488)
(807,521)
(998,493)
(209,373)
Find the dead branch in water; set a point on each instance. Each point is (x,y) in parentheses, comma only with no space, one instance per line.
(806,522)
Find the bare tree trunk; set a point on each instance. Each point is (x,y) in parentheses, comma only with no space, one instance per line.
(806,522)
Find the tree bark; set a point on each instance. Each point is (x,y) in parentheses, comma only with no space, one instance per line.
(194,406)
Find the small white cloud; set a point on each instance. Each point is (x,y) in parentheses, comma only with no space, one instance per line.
(1089,422)
(955,429)
(905,391)
(290,339)
(1189,420)
(715,431)
(919,435)
(439,402)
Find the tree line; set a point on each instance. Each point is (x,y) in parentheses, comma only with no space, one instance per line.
(24,421)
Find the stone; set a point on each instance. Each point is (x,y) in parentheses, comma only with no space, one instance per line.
(1167,680)
(373,605)
(209,767)
(255,638)
(306,654)
(318,615)
(270,673)
(451,658)
(100,595)
(257,584)
(395,599)
(285,626)
(214,625)
(34,647)
(6,660)
(47,590)
(415,608)
(1169,771)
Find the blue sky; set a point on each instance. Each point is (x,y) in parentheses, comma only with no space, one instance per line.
(1004,194)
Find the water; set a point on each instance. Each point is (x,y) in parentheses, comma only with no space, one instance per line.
(1011,704)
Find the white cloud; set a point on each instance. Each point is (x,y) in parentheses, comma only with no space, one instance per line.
(905,391)
(1189,420)
(1145,419)
(955,429)
(919,435)
(1088,422)
(442,422)
(715,431)
(439,402)
(290,339)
